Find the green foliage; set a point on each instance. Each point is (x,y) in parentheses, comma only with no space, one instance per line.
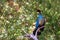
(19,16)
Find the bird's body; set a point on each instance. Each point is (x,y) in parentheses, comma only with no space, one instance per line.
(39,18)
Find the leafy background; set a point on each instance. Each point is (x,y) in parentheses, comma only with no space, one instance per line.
(17,16)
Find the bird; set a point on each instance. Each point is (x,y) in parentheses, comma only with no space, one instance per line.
(39,26)
(40,22)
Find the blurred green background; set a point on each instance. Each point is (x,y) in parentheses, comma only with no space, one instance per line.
(19,15)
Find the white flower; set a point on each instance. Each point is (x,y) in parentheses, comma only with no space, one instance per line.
(1,36)
(21,37)
(7,6)
(2,17)
(23,29)
(25,15)
(6,35)
(27,3)
(10,16)
(3,31)
(26,23)
(22,19)
(27,18)
(7,21)
(30,27)
(45,9)
(47,23)
(12,28)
